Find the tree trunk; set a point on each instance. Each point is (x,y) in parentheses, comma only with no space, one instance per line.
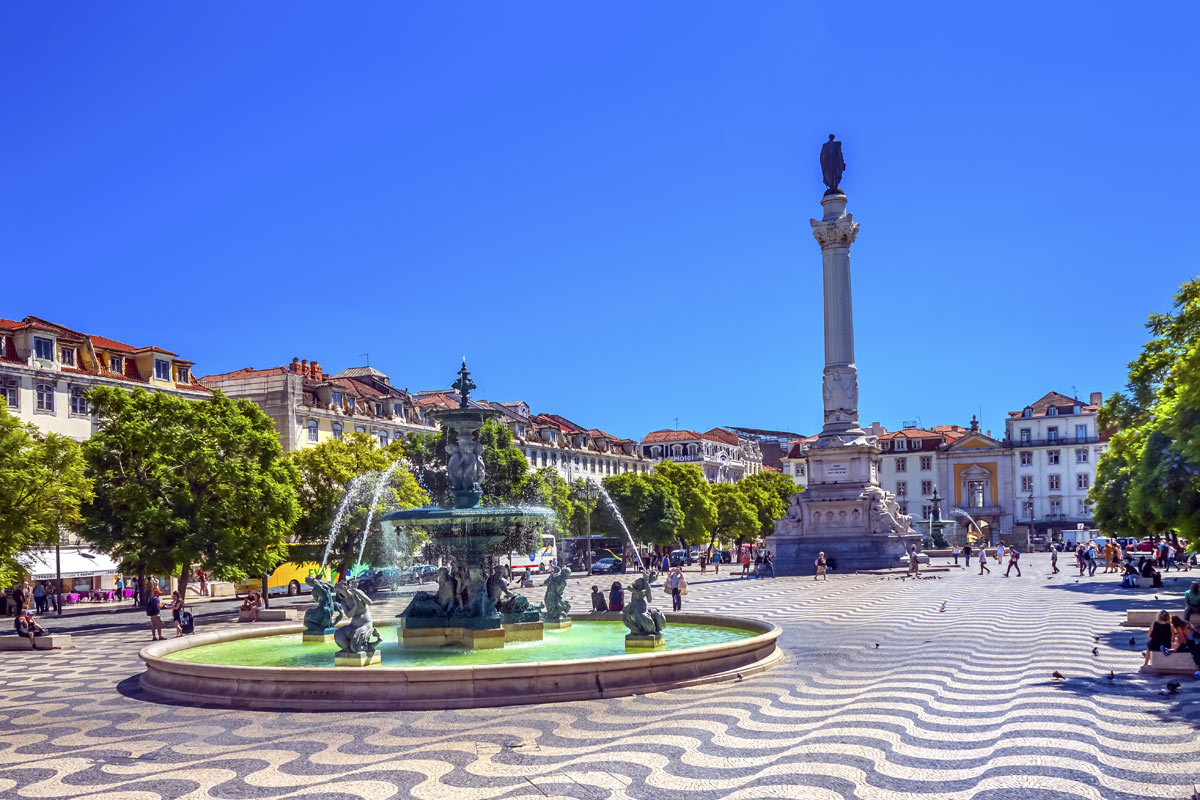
(266,592)
(183,582)
(143,595)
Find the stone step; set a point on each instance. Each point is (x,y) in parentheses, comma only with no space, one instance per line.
(1174,664)
(58,641)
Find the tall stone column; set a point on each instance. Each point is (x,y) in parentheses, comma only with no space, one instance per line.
(835,232)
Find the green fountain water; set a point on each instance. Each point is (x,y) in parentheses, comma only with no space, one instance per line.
(585,639)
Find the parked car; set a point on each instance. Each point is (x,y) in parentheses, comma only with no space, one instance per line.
(608,565)
(1127,542)
(679,558)
(373,581)
(419,573)
(1145,546)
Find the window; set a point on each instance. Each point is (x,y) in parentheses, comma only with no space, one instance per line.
(1027,413)
(1027,509)
(115,364)
(337,430)
(360,428)
(337,399)
(398,411)
(1051,412)
(1026,483)
(900,443)
(901,488)
(1055,483)
(350,405)
(383,438)
(926,487)
(1084,509)
(926,512)
(79,404)
(312,430)
(975,494)
(45,397)
(379,409)
(1056,508)
(1081,432)
(8,390)
(183,375)
(1082,480)
(1026,435)
(901,465)
(1026,458)
(1081,455)
(67,356)
(1052,433)
(43,348)
(926,463)
(162,369)
(1052,456)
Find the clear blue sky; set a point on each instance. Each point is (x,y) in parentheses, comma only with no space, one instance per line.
(605,205)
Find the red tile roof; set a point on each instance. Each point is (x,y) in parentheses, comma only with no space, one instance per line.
(244,372)
(1057,400)
(670,436)
(722,435)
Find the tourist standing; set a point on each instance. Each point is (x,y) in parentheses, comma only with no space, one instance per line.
(1054,560)
(120,589)
(745,563)
(914,564)
(154,612)
(983,561)
(39,597)
(200,576)
(967,554)
(177,612)
(956,554)
(1013,557)
(1000,555)
(769,563)
(822,567)
(678,587)
(703,563)
(1091,559)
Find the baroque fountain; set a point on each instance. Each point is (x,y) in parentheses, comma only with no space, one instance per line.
(470,643)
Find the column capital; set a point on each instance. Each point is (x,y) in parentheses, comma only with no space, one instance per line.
(840,231)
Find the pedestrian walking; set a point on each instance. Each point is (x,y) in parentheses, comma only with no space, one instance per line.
(822,567)
(914,565)
(200,576)
(1000,554)
(745,563)
(769,563)
(967,554)
(120,589)
(703,563)
(1091,559)
(137,591)
(1054,560)
(758,564)
(956,554)
(39,597)
(176,612)
(154,612)
(983,567)
(1013,557)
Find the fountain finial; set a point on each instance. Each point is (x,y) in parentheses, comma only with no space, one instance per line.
(463,385)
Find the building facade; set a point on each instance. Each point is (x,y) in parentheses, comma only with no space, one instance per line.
(310,407)
(47,369)
(910,466)
(1056,444)
(723,456)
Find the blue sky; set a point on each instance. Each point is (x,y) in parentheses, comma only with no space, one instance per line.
(605,205)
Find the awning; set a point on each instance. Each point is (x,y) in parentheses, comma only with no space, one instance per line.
(76,563)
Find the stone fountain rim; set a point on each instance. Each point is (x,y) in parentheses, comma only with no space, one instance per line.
(435,687)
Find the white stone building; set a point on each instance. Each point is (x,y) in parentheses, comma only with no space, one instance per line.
(309,407)
(723,456)
(47,369)
(910,466)
(1056,444)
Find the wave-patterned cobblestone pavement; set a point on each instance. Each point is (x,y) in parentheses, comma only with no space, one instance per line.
(957,704)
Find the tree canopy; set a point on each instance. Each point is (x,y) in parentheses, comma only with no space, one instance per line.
(1149,479)
(182,482)
(648,504)
(769,493)
(737,516)
(42,486)
(505,467)
(327,472)
(695,500)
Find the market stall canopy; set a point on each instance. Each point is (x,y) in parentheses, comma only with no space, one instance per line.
(76,563)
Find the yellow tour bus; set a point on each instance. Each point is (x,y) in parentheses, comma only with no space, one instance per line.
(287,578)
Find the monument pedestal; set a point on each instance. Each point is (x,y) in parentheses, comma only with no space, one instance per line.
(557,625)
(372,659)
(319,638)
(468,638)
(637,641)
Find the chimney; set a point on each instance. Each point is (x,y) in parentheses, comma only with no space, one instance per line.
(295,365)
(305,370)
(316,371)
(1097,399)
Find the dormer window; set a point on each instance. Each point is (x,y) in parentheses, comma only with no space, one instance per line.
(379,409)
(350,403)
(397,409)
(337,399)
(67,356)
(900,444)
(182,372)
(116,364)
(43,348)
(1052,411)
(1027,413)
(162,369)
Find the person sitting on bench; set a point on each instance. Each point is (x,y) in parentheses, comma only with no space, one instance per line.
(252,603)
(1148,571)
(1191,600)
(27,628)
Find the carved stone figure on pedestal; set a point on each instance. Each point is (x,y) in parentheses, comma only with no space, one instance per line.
(556,608)
(360,635)
(639,616)
(832,164)
(319,618)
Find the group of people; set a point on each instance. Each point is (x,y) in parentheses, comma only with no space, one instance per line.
(1012,551)
(40,595)
(1173,634)
(252,604)
(154,609)
(675,583)
(27,628)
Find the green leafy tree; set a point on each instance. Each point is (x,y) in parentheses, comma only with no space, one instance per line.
(695,499)
(648,504)
(769,493)
(327,472)
(1149,479)
(545,487)
(737,517)
(184,482)
(42,486)
(504,464)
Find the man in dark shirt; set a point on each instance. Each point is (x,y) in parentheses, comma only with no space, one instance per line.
(27,628)
(154,611)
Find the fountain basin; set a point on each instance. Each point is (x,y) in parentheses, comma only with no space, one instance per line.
(387,687)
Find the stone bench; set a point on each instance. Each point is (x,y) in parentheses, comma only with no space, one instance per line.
(59,641)
(268,615)
(1144,617)
(1174,664)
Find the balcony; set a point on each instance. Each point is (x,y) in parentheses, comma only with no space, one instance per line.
(1061,441)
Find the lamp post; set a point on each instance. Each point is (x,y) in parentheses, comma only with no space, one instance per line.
(1031,528)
